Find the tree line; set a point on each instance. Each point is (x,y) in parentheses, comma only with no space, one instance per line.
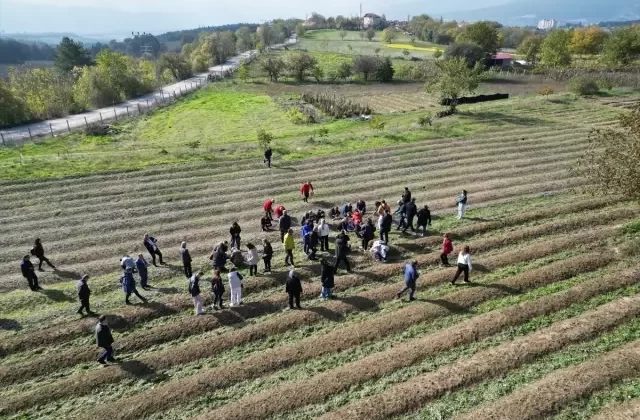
(16,52)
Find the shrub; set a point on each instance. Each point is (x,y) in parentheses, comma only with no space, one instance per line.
(345,70)
(376,123)
(193,144)
(403,71)
(385,71)
(424,120)
(264,138)
(545,91)
(323,132)
(437,54)
(604,83)
(296,116)
(365,65)
(584,86)
(471,52)
(335,107)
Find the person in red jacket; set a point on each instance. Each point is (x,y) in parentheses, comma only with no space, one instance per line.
(447,248)
(268,208)
(306,189)
(279,211)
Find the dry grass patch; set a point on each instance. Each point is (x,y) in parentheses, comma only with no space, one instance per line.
(626,411)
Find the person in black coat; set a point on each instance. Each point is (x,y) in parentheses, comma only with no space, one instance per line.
(186,259)
(284,224)
(385,227)
(265,223)
(29,273)
(361,206)
(104,340)
(83,294)
(219,257)
(410,210)
(367,233)
(235,231)
(267,254)
(151,244)
(424,220)
(293,289)
(327,278)
(217,288)
(38,251)
(267,156)
(342,247)
(406,195)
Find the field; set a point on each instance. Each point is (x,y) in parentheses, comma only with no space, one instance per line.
(549,326)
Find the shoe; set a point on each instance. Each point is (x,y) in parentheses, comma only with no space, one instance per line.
(91,313)
(40,269)
(453,283)
(298,307)
(112,360)
(412,299)
(127,302)
(38,287)
(467,281)
(79,311)
(102,362)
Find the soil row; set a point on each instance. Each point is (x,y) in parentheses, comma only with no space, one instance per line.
(626,411)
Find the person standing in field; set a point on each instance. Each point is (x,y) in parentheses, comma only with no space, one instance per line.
(327,273)
(293,289)
(217,289)
(401,210)
(234,231)
(289,245)
(406,195)
(447,248)
(219,257)
(410,279)
(194,290)
(267,254)
(342,247)
(104,341)
(461,201)
(306,190)
(367,232)
(127,262)
(151,244)
(268,208)
(464,265)
(129,286)
(83,294)
(386,220)
(306,236)
(29,273)
(267,156)
(410,209)
(382,208)
(143,272)
(186,259)
(38,251)
(252,259)
(424,220)
(284,224)
(323,231)
(235,285)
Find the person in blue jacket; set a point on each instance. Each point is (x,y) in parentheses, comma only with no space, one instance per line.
(141,266)
(129,286)
(410,278)
(306,236)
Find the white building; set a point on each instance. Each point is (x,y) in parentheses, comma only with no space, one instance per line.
(370,19)
(545,24)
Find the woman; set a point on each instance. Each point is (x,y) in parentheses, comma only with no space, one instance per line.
(194,290)
(235,284)
(267,254)
(217,288)
(447,248)
(252,259)
(464,265)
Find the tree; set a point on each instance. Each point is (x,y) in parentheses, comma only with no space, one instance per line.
(12,109)
(176,64)
(317,73)
(345,70)
(343,34)
(622,47)
(437,54)
(471,52)
(370,33)
(70,54)
(610,164)
(365,65)
(588,41)
(555,49)
(454,79)
(273,66)
(531,47)
(264,138)
(300,30)
(300,64)
(243,72)
(385,71)
(484,34)
(46,93)
(389,35)
(244,39)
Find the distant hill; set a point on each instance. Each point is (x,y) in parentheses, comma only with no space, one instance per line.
(52,38)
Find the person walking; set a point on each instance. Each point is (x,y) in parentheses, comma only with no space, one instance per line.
(252,259)
(143,271)
(289,245)
(401,210)
(217,289)
(382,208)
(267,156)
(127,262)
(424,220)
(194,290)
(186,259)
(234,231)
(410,278)
(235,285)
(38,251)
(104,341)
(461,201)
(29,273)
(385,221)
(268,208)
(219,257)
(129,286)
(406,195)
(327,273)
(410,210)
(83,295)
(284,224)
(342,247)
(367,232)
(151,244)
(267,254)
(293,289)
(447,248)
(464,265)
(306,190)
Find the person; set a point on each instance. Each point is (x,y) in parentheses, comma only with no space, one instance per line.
(267,254)
(382,208)
(447,248)
(252,259)
(306,190)
(127,262)
(401,210)
(29,273)
(342,247)
(236,257)
(143,272)
(38,251)
(235,284)
(410,277)
(284,224)
(323,231)
(279,211)
(265,223)
(380,250)
(343,224)
(267,156)
(104,341)
(361,206)
(217,288)
(367,233)
(194,290)
(151,244)
(327,278)
(293,289)
(83,294)
(234,231)
(406,195)
(385,226)
(129,286)
(268,208)
(289,244)
(356,218)
(186,259)
(464,265)
(335,213)
(410,210)
(461,201)
(313,242)
(305,232)
(347,209)
(320,214)
(219,257)
(424,220)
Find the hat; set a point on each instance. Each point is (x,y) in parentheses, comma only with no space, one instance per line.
(85,277)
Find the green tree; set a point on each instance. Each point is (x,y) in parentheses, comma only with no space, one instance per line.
(243,72)
(437,54)
(345,70)
(45,92)
(389,35)
(587,41)
(471,52)
(455,78)
(622,47)
(385,71)
(300,64)
(176,64)
(555,49)
(370,33)
(273,66)
(264,138)
(300,30)
(244,39)
(365,65)
(484,34)
(530,48)
(317,73)
(12,109)
(70,54)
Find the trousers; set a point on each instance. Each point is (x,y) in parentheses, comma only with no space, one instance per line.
(236,296)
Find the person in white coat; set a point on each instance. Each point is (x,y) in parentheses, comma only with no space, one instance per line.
(464,265)
(323,232)
(194,290)
(252,259)
(379,250)
(235,284)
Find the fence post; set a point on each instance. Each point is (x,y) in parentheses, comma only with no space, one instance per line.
(127,106)
(139,112)
(174,95)
(147,104)
(51,129)
(115,113)
(30,136)
(2,135)
(86,122)
(68,126)
(101,118)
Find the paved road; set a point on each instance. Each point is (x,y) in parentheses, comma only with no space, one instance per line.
(20,134)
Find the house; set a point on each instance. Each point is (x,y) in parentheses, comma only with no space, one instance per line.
(500,60)
(545,24)
(308,23)
(370,20)
(463,24)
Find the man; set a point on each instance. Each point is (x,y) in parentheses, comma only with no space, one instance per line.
(268,208)
(461,201)
(104,341)
(267,156)
(406,195)
(306,190)
(401,210)
(150,243)
(327,278)
(186,259)
(219,257)
(129,286)
(293,289)
(342,247)
(306,230)
(194,290)
(424,220)
(29,273)
(284,224)
(38,251)
(361,206)
(289,244)
(83,294)
(367,232)
(234,232)
(323,231)
(410,210)
(385,226)
(141,266)
(410,277)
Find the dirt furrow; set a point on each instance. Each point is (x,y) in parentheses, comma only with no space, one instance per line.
(628,410)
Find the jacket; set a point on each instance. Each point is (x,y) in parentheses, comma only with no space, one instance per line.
(235,230)
(127,262)
(219,258)
(83,290)
(323,229)
(447,246)
(313,239)
(410,275)
(424,217)
(387,221)
(38,251)
(235,280)
(150,244)
(406,196)
(401,210)
(267,252)
(342,242)
(306,230)
(186,257)
(294,286)
(326,276)
(194,286)
(268,205)
(128,282)
(217,286)
(267,154)
(289,243)
(27,269)
(306,188)
(361,206)
(265,223)
(461,199)
(141,265)
(103,336)
(410,210)
(252,257)
(368,231)
(285,222)
(346,209)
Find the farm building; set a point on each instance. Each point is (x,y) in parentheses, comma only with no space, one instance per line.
(500,60)
(370,20)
